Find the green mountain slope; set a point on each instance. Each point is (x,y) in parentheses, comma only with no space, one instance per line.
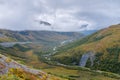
(104,45)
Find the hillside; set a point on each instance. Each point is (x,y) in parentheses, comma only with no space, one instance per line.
(12,70)
(43,40)
(101,48)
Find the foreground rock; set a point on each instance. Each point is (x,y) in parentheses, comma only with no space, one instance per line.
(7,65)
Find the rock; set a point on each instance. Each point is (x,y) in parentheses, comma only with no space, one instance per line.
(5,66)
(89,55)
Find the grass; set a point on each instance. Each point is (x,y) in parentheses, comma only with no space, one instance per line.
(72,74)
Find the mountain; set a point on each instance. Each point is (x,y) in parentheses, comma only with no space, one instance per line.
(37,35)
(44,39)
(99,51)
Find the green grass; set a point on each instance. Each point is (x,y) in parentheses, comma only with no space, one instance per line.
(76,74)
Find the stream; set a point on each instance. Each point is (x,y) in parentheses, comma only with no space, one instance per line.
(47,56)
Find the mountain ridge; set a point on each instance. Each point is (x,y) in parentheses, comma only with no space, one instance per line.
(31,35)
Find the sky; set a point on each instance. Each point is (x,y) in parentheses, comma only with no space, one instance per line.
(63,15)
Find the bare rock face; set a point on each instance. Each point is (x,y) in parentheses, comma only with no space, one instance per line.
(89,55)
(7,63)
(9,66)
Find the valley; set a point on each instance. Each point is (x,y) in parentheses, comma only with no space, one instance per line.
(62,60)
(59,39)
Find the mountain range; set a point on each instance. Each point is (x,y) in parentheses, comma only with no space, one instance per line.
(35,36)
(44,39)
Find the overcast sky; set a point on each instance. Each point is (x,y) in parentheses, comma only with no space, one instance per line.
(64,15)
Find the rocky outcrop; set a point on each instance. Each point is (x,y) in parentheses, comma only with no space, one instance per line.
(89,55)
(9,67)
(7,63)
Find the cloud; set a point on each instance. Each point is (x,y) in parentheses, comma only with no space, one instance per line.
(64,15)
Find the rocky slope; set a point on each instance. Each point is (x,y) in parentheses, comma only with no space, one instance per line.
(22,72)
